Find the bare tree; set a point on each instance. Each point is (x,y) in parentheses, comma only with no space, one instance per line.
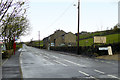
(13,21)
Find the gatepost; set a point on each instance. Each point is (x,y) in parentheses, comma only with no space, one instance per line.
(102,40)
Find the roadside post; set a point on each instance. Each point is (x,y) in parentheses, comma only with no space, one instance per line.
(110,50)
(14,44)
(102,40)
(107,48)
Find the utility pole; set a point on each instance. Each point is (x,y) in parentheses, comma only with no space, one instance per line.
(78,26)
(39,38)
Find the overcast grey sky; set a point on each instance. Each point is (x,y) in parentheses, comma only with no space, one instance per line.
(47,16)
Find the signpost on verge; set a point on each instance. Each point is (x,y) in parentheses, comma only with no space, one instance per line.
(102,40)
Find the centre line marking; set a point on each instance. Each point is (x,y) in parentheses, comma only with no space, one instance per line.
(112,76)
(99,71)
(60,63)
(84,73)
(46,56)
(44,59)
(54,56)
(73,63)
(88,75)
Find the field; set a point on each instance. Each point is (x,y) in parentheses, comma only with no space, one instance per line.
(113,38)
(36,43)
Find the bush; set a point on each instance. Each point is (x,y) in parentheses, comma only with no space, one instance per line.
(7,53)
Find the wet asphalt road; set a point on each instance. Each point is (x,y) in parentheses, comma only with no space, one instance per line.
(37,63)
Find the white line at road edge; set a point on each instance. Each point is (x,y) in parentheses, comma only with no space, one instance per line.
(5,61)
(99,71)
(20,62)
(60,63)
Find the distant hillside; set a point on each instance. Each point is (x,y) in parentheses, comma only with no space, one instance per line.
(111,38)
(35,43)
(98,33)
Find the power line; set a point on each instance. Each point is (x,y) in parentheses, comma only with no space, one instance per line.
(61,15)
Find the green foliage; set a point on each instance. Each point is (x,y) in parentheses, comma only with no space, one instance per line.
(36,43)
(100,33)
(18,46)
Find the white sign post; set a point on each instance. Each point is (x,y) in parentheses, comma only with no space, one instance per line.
(107,48)
(110,50)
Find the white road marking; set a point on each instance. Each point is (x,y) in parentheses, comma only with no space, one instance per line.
(84,73)
(40,54)
(60,63)
(112,76)
(99,71)
(21,61)
(54,56)
(112,63)
(88,75)
(74,63)
(45,56)
(44,60)
(20,49)
(5,61)
(21,54)
(20,58)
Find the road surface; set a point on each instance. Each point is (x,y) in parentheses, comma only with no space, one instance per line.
(38,63)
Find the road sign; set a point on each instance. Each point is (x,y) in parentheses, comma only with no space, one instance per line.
(103,48)
(99,39)
(107,48)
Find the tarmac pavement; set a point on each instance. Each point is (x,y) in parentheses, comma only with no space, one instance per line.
(11,68)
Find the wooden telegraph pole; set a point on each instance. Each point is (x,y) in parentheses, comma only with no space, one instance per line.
(78,51)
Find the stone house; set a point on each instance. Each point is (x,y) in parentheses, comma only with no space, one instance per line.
(50,40)
(68,39)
